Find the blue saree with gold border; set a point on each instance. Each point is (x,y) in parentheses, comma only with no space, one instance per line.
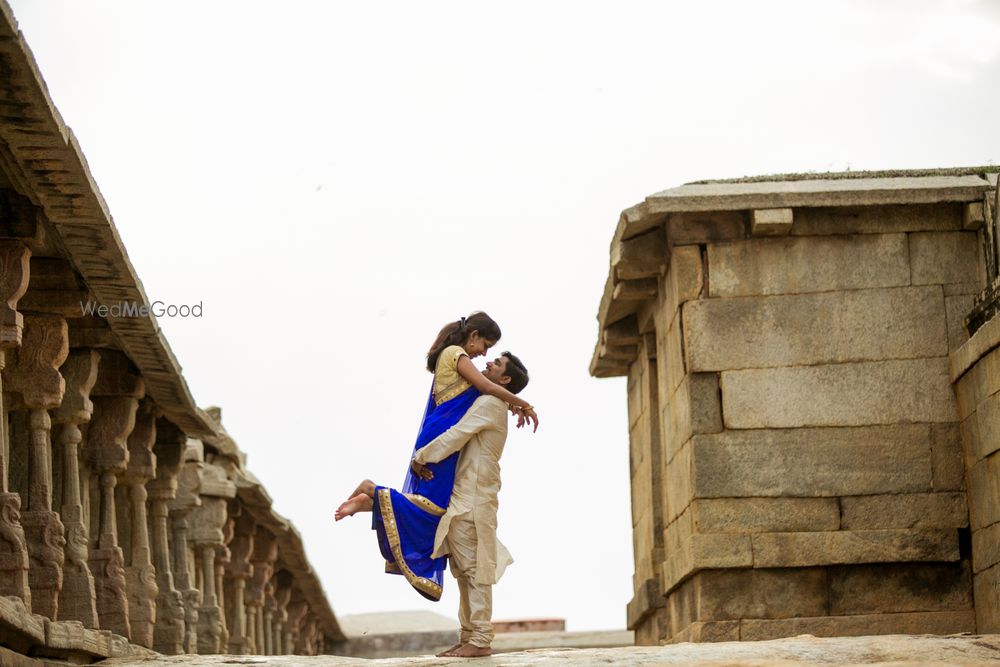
(405,521)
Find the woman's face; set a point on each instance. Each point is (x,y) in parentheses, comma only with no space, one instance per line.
(476,345)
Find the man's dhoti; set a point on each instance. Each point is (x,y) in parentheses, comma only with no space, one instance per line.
(475,607)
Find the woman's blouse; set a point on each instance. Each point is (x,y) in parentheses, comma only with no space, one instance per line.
(447,382)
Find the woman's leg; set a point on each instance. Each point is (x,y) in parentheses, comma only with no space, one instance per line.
(361,501)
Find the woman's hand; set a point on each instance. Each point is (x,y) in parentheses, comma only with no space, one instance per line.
(421,471)
(525,416)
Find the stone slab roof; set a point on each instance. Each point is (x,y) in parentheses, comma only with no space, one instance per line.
(723,202)
(38,150)
(42,158)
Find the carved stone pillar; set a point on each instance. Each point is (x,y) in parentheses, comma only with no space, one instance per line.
(188,497)
(240,570)
(282,596)
(168,632)
(207,524)
(298,608)
(140,576)
(307,637)
(223,558)
(78,599)
(265,553)
(14,261)
(116,399)
(270,606)
(33,374)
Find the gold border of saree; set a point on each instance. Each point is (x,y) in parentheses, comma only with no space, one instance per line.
(422,584)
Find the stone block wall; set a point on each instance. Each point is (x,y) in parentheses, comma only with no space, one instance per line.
(794,431)
(976,367)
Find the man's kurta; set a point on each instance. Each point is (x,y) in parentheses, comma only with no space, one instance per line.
(480,436)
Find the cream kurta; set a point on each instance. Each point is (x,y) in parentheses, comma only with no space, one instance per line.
(480,436)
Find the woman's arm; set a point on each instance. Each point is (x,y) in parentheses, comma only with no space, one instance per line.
(471,374)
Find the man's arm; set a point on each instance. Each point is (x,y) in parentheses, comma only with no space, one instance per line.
(481,416)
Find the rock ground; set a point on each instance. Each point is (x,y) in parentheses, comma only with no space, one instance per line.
(896,650)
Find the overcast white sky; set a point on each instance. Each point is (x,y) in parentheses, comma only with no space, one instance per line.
(335,181)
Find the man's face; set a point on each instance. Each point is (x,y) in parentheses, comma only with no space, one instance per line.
(496,370)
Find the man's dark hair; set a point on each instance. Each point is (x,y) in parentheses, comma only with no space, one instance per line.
(517,373)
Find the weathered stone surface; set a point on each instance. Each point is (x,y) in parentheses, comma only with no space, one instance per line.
(685,280)
(899,587)
(712,631)
(947,459)
(985,586)
(771,221)
(986,547)
(760,593)
(855,546)
(791,265)
(923,622)
(912,510)
(693,408)
(670,346)
(877,219)
(983,482)
(648,598)
(956,309)
(860,190)
(700,552)
(853,394)
(945,257)
(754,515)
(811,462)
(707,227)
(905,651)
(679,482)
(642,492)
(987,436)
(977,363)
(807,329)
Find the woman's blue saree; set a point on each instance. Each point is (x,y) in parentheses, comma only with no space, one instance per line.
(406,521)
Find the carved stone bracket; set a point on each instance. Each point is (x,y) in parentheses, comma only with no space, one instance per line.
(14,263)
(33,377)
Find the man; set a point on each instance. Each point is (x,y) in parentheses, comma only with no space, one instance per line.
(468,529)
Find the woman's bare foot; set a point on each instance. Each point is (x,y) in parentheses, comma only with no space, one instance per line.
(366,487)
(467,651)
(359,503)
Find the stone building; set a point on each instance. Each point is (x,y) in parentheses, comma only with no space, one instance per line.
(814,438)
(128,517)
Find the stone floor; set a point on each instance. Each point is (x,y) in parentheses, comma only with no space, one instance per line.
(896,650)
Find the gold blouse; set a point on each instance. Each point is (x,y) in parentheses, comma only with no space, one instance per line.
(447,382)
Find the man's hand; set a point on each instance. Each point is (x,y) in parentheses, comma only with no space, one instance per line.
(421,471)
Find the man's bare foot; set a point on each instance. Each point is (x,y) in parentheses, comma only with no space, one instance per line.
(359,503)
(467,651)
(445,653)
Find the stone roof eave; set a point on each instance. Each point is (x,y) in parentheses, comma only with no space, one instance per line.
(46,162)
(786,191)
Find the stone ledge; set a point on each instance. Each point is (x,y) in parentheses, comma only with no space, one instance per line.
(843,547)
(898,650)
(974,349)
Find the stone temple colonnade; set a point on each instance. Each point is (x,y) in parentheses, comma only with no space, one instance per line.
(128,518)
(814,404)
